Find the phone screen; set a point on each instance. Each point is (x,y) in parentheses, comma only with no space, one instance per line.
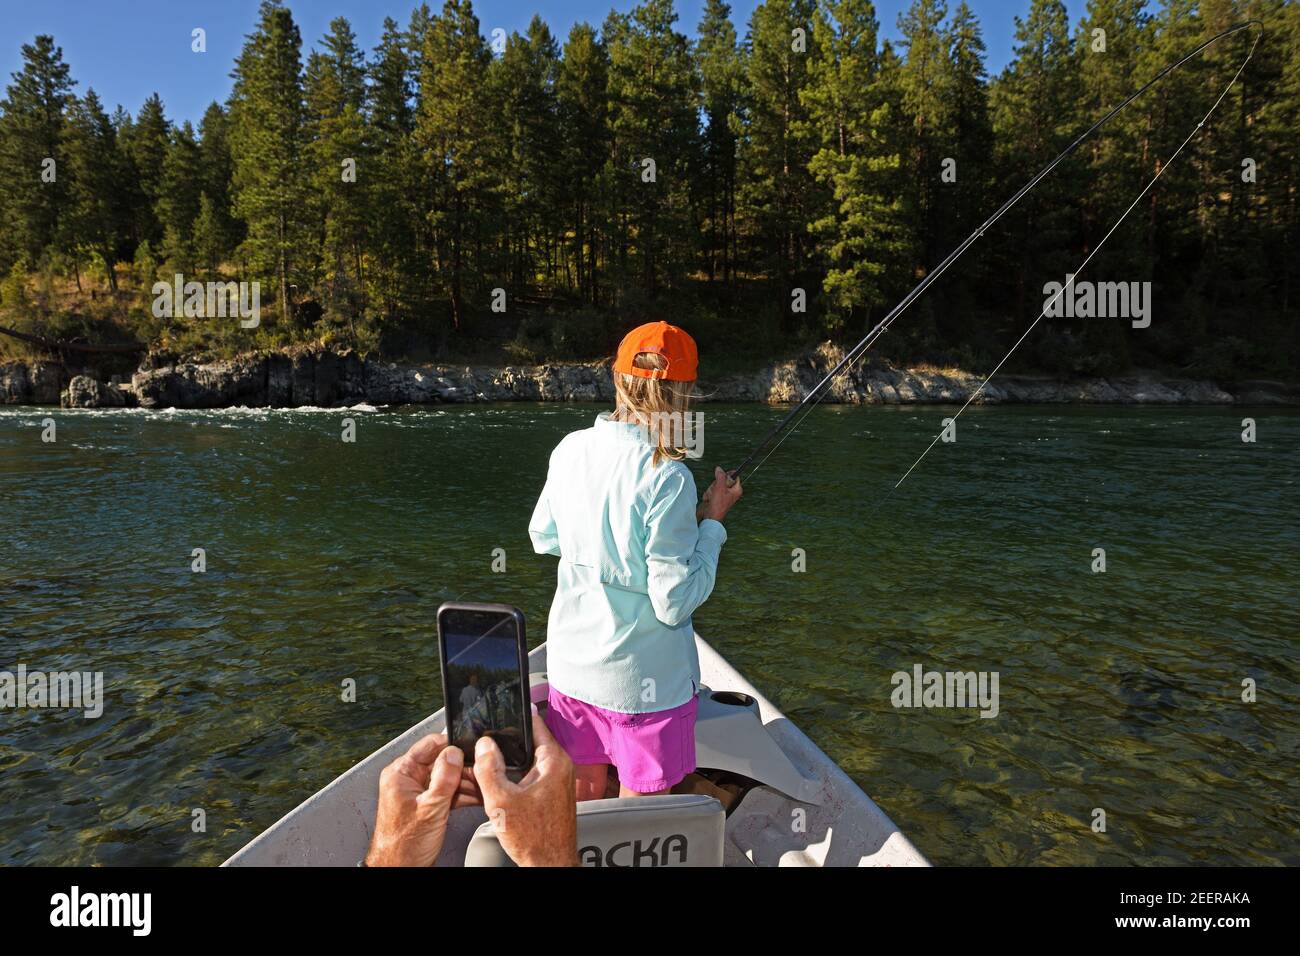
(485,696)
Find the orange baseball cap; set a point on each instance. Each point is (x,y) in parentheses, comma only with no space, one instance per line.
(674,344)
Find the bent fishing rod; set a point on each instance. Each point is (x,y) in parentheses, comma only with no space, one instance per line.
(793,418)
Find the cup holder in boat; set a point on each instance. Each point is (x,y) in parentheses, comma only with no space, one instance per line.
(734,698)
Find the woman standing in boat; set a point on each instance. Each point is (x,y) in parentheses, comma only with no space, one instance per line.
(638,554)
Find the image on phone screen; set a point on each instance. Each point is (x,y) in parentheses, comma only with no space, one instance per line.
(484,695)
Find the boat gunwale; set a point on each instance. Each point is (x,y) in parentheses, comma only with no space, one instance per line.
(849,805)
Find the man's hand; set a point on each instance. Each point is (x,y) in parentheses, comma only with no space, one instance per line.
(719,497)
(416,794)
(536,820)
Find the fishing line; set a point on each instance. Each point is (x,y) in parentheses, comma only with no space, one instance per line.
(795,416)
(1069,283)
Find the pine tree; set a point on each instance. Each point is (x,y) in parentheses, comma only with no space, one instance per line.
(1112,37)
(128,196)
(221,232)
(779,195)
(861,235)
(582,102)
(1033,116)
(1274,209)
(971,199)
(926,85)
(341,167)
(91,225)
(147,142)
(32,118)
(209,237)
(653,120)
(1110,41)
(972,128)
(524,82)
(722,76)
(395,275)
(455,145)
(268,124)
(179,191)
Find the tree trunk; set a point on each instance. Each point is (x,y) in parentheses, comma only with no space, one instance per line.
(284,274)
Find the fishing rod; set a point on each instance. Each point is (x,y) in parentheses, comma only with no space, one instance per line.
(851,357)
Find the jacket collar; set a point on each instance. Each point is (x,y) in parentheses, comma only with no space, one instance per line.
(621,431)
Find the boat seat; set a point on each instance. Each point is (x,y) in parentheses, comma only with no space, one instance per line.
(672,830)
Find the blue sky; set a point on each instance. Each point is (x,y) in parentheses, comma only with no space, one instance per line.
(127,49)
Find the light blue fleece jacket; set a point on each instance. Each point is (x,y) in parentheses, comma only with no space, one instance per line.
(634,566)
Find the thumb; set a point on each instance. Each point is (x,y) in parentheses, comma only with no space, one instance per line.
(490,772)
(443,782)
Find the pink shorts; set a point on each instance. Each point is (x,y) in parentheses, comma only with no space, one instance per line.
(652,751)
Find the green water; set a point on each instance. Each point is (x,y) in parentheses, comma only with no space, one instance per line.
(326,561)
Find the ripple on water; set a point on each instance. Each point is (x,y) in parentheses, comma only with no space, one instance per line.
(326,563)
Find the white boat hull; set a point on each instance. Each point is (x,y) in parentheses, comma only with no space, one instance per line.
(843,827)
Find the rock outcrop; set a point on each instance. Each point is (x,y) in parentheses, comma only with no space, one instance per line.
(332,380)
(879,384)
(329,380)
(86,392)
(38,383)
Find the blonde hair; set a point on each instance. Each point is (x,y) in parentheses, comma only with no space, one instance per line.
(656,404)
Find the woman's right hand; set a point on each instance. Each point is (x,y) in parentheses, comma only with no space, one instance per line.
(719,497)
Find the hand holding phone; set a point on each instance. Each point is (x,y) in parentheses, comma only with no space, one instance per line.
(484,656)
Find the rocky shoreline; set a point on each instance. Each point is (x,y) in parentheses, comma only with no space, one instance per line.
(331,380)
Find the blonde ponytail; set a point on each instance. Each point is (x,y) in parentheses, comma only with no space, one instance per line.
(656,404)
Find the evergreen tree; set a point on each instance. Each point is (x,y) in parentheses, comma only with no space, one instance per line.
(654,124)
(209,237)
(810,155)
(221,232)
(582,102)
(970,199)
(861,236)
(342,170)
(32,118)
(128,196)
(455,143)
(1033,116)
(91,224)
(1273,203)
(1109,42)
(147,142)
(268,124)
(779,196)
(722,75)
(926,85)
(524,81)
(179,191)
(395,275)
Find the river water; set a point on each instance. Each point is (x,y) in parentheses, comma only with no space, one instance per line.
(326,560)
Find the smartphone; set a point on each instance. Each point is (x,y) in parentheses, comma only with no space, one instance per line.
(484,657)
